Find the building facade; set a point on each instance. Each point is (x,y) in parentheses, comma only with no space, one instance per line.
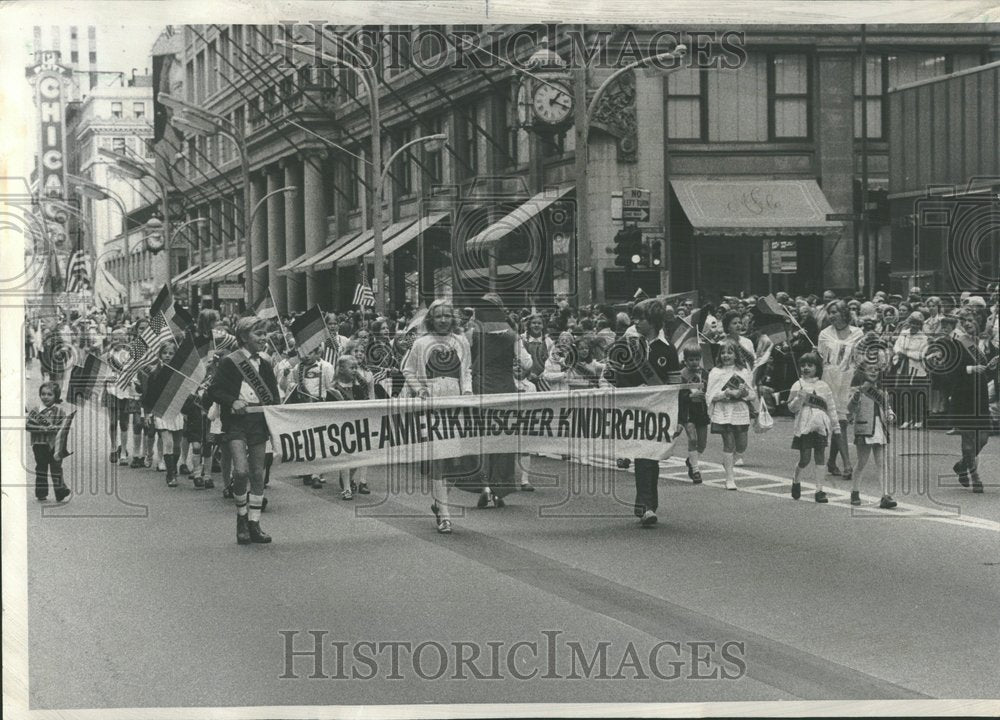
(751,157)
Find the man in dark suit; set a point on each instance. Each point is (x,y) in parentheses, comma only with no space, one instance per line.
(644,356)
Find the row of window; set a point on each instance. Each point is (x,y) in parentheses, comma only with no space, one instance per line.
(138,110)
(771,97)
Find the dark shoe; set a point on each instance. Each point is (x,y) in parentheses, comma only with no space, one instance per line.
(147,462)
(184,469)
(209,483)
(498,501)
(198,482)
(62,493)
(113,458)
(41,498)
(796,490)
(484,500)
(690,467)
(256,534)
(527,487)
(821,497)
(172,482)
(648,519)
(696,477)
(848,475)
(977,486)
(887,503)
(136,463)
(833,470)
(242,530)
(855,497)
(444,527)
(623,463)
(363,489)
(307,479)
(227,493)
(963,475)
(263,504)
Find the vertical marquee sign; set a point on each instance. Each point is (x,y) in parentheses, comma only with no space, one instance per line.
(49,78)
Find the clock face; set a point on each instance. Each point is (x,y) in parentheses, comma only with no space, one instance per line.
(552,103)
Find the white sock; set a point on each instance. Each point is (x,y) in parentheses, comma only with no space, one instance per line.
(693,457)
(256,503)
(818,478)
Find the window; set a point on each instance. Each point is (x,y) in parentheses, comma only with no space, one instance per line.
(404,165)
(74,57)
(192,156)
(684,104)
(737,102)
(72,33)
(202,145)
(896,68)
(189,81)
(118,145)
(239,119)
(92,56)
(224,52)
(212,80)
(238,45)
(789,110)
(355,179)
(872,97)
(149,153)
(434,159)
(470,140)
(138,110)
(199,72)
(116,110)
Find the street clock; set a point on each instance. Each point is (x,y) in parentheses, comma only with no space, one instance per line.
(544,97)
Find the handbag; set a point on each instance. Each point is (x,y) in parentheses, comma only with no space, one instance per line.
(763,422)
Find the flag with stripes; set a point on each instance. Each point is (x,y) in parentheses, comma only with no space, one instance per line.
(85,378)
(309,330)
(60,443)
(363,295)
(265,308)
(172,386)
(173,315)
(770,319)
(78,272)
(223,341)
(143,351)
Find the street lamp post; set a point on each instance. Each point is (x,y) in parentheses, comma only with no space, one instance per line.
(198,121)
(584,114)
(138,171)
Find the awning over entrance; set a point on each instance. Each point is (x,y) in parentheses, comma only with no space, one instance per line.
(515,219)
(307,260)
(763,208)
(205,273)
(186,274)
(229,266)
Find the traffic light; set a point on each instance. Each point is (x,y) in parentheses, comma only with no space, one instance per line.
(628,248)
(655,253)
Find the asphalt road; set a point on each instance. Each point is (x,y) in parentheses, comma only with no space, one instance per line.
(139,595)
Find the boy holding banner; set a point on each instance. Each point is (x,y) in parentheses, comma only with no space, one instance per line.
(644,356)
(245,380)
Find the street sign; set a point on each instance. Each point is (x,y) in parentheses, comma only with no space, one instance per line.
(635,205)
(230,291)
(616,206)
(783,256)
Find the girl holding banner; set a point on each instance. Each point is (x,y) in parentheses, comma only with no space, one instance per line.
(438,365)
(168,429)
(244,380)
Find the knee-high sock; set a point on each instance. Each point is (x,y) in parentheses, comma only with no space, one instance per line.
(818,478)
(727,463)
(694,456)
(241,503)
(255,503)
(798,473)
(170,460)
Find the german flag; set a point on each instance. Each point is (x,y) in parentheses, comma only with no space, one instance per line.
(169,389)
(309,330)
(84,379)
(189,360)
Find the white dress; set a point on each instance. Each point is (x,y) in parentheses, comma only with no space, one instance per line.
(838,364)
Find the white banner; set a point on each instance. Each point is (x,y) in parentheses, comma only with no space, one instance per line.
(598,425)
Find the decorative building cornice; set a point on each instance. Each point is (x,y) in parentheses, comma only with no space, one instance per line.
(615,115)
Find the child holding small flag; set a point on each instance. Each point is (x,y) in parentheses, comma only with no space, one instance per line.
(815,409)
(869,410)
(692,410)
(168,428)
(729,394)
(47,425)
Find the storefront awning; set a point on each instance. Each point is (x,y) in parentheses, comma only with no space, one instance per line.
(393,237)
(186,274)
(229,266)
(307,260)
(515,219)
(203,274)
(759,208)
(421,224)
(236,272)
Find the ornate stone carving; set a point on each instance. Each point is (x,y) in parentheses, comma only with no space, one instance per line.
(615,115)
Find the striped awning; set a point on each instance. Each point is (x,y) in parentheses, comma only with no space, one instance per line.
(237,272)
(307,260)
(515,219)
(186,274)
(206,273)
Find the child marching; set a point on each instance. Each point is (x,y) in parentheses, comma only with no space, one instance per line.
(812,402)
(869,411)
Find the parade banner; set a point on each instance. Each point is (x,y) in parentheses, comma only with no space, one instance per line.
(597,425)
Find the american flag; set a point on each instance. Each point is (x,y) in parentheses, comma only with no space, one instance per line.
(363,295)
(143,350)
(77,272)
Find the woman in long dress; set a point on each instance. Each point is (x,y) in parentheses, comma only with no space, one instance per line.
(439,364)
(837,344)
